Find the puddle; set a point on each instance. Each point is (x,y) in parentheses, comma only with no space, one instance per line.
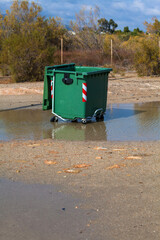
(34,211)
(122,122)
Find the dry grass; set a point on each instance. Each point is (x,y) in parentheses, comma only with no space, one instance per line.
(84,57)
(96,58)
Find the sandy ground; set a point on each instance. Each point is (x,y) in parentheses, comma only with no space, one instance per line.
(119,182)
(127,89)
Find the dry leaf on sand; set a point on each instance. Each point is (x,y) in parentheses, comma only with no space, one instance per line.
(133,157)
(115,166)
(98,157)
(74,171)
(34,145)
(119,149)
(48,162)
(100,148)
(83,165)
(53,152)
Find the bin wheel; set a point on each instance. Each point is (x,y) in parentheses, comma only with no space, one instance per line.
(84,120)
(100,118)
(74,120)
(54,119)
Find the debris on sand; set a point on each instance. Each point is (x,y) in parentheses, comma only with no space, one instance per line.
(115,166)
(98,157)
(100,148)
(119,149)
(134,157)
(48,162)
(83,165)
(74,171)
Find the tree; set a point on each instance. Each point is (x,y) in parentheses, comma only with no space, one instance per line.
(28,41)
(136,32)
(153,27)
(126,30)
(103,25)
(107,26)
(86,29)
(1,20)
(112,26)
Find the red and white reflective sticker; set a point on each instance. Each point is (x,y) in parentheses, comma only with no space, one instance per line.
(51,89)
(84,92)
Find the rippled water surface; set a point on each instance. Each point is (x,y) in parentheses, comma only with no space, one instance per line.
(122,122)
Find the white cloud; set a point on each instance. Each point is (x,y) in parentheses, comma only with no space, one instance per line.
(153,12)
(4,1)
(148,8)
(139,5)
(119,5)
(124,12)
(86,7)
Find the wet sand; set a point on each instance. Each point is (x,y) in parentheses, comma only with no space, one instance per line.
(110,190)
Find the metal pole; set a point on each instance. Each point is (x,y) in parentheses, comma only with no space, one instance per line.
(61,50)
(159,48)
(111,52)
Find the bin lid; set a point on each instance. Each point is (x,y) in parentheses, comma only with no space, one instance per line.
(78,70)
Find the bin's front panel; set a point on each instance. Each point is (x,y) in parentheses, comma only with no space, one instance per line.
(97,86)
(68,96)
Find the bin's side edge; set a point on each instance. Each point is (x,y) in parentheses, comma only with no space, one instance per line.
(47,104)
(107,70)
(60,66)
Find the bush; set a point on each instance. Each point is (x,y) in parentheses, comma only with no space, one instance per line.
(28,41)
(121,55)
(146,58)
(85,57)
(27,56)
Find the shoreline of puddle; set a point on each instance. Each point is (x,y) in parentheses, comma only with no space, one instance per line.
(122,122)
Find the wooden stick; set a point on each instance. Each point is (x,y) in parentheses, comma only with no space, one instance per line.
(111,52)
(61,50)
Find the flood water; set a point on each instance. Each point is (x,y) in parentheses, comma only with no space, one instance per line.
(122,122)
(34,211)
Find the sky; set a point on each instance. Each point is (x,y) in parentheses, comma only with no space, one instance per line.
(131,13)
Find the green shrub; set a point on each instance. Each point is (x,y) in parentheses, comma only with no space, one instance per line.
(27,56)
(28,41)
(146,58)
(121,54)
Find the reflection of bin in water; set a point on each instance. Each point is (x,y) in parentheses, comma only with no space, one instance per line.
(78,132)
(75,92)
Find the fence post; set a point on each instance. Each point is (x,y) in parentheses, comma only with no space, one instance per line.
(111,52)
(61,50)
(159,47)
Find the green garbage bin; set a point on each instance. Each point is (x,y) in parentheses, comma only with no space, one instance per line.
(75,92)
